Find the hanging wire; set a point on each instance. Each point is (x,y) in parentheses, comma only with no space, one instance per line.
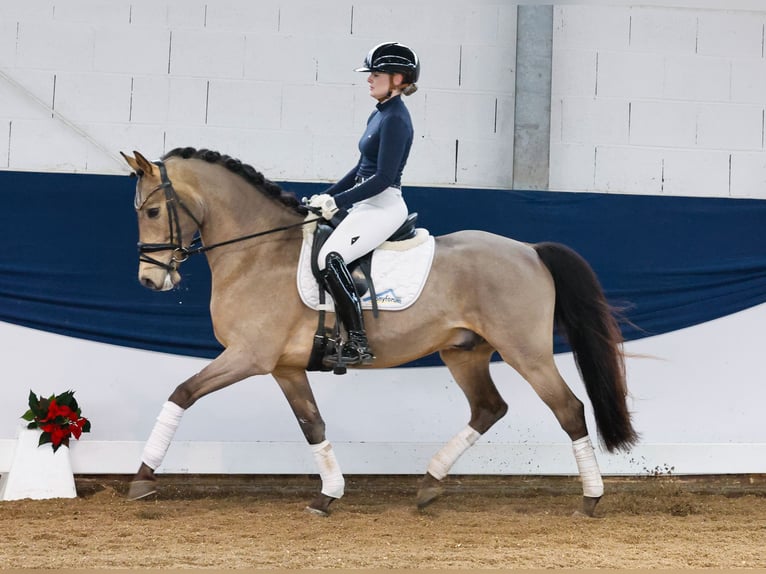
(63,119)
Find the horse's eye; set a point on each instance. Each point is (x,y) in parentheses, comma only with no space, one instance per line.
(153,212)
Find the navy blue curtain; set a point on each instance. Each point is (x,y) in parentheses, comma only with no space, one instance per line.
(68,263)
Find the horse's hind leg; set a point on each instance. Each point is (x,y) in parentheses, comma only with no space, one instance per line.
(470,367)
(547,382)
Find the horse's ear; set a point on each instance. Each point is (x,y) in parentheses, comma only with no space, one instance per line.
(131,162)
(140,164)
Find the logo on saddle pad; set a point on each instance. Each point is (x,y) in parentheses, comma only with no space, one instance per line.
(399,272)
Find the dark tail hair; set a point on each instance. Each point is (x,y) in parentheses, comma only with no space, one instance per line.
(590,326)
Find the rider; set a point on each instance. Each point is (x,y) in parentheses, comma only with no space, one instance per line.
(371,192)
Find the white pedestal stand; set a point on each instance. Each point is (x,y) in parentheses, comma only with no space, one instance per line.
(37,472)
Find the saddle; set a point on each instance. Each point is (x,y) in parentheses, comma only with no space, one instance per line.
(326,339)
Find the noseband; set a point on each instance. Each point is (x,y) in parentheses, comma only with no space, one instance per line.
(175,244)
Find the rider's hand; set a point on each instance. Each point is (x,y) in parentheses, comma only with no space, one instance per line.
(326,203)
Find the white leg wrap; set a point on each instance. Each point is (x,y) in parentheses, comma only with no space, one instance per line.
(592,484)
(162,434)
(333,482)
(443,460)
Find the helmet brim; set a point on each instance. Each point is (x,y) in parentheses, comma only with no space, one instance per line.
(363,69)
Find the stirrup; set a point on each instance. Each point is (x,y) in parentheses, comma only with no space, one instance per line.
(354,353)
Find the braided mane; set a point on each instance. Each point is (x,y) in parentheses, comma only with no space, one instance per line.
(245,171)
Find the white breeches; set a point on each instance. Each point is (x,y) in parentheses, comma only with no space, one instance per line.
(368,224)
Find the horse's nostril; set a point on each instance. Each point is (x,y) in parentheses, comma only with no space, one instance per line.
(148,283)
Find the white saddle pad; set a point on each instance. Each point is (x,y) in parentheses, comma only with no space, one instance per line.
(399,272)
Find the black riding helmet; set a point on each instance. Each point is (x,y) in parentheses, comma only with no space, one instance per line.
(392,58)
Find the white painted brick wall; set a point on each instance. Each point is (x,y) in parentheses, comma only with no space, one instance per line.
(748,81)
(272,81)
(644,176)
(8,30)
(694,84)
(696,172)
(748,174)
(55,46)
(269,81)
(731,35)
(5,133)
(16,101)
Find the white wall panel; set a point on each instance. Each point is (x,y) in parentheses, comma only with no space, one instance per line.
(572,166)
(284,59)
(169,13)
(251,18)
(488,68)
(696,78)
(662,30)
(93,97)
(93,12)
(169,101)
(625,169)
(322,109)
(29,94)
(430,155)
(244,104)
(574,73)
(309,19)
(130,49)
(736,35)
(730,127)
(748,174)
(663,123)
(5,135)
(585,26)
(38,10)
(8,31)
(440,65)
(476,119)
(48,138)
(203,54)
(55,46)
(630,75)
(482,166)
(696,173)
(594,119)
(748,81)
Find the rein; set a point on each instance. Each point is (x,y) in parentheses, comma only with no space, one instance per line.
(181,253)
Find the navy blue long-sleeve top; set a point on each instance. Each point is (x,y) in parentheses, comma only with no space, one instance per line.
(385,147)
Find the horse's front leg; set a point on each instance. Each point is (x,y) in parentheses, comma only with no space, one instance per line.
(295,385)
(229,367)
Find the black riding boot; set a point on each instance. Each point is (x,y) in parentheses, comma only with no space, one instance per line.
(348,307)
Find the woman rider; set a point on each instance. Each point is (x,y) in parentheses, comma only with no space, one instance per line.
(371,192)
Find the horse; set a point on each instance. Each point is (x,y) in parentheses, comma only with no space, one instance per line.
(484,294)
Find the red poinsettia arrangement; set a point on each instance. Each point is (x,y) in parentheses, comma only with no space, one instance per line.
(58,417)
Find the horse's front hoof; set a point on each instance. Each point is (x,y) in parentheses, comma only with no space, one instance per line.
(320,506)
(588,506)
(141,489)
(430,489)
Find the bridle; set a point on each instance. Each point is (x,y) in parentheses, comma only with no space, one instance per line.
(181,252)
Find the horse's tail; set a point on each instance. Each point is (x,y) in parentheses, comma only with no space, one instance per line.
(590,326)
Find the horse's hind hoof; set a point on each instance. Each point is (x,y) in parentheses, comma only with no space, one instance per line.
(588,507)
(317,511)
(141,489)
(320,506)
(430,489)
